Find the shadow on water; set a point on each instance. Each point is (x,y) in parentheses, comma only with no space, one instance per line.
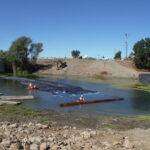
(135,103)
(140,102)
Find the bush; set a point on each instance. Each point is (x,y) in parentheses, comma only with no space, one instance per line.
(21,72)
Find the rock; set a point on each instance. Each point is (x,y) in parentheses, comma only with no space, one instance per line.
(6,142)
(15,146)
(110,131)
(7,133)
(43,146)
(94,147)
(86,134)
(93,133)
(15,125)
(116,143)
(34,147)
(26,146)
(30,124)
(44,126)
(38,125)
(64,135)
(35,139)
(4,126)
(78,138)
(51,139)
(66,127)
(127,143)
(106,144)
(25,131)
(25,125)
(74,128)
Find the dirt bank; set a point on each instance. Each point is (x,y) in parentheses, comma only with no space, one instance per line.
(111,68)
(31,136)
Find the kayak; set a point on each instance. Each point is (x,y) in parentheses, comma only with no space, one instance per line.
(90,102)
(32,88)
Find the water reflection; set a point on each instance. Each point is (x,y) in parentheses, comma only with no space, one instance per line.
(140,102)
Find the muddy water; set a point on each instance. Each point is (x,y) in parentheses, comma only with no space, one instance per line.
(135,103)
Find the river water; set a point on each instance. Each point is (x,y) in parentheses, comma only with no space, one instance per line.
(135,102)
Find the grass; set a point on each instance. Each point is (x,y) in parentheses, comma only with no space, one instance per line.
(31,76)
(98,76)
(141,87)
(5,74)
(143,117)
(18,110)
(109,125)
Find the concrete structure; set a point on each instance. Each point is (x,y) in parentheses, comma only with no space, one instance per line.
(16,97)
(2,68)
(145,78)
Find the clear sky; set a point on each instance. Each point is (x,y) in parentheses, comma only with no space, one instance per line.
(95,27)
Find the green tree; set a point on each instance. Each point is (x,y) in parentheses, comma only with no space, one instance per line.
(5,55)
(117,55)
(142,53)
(75,53)
(19,51)
(2,54)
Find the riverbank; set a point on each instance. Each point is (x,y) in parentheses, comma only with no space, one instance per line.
(36,130)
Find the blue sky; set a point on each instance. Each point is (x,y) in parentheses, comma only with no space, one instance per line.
(95,27)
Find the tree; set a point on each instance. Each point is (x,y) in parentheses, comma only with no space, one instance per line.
(142,53)
(75,53)
(35,49)
(117,55)
(2,54)
(7,61)
(19,51)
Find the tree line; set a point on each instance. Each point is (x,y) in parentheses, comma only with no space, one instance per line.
(23,53)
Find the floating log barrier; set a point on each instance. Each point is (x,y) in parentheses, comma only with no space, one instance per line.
(90,102)
(16,97)
(9,102)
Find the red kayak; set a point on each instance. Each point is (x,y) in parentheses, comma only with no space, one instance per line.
(32,88)
(90,102)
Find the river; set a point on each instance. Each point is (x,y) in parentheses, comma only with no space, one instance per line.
(135,102)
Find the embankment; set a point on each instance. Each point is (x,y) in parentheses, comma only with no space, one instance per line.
(84,67)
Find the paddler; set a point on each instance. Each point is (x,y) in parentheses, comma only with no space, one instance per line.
(81,98)
(30,84)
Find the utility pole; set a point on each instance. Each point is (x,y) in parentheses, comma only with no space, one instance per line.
(126,44)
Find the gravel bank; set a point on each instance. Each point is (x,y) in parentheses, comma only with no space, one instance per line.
(31,136)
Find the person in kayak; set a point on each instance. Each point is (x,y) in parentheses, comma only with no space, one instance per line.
(30,84)
(81,98)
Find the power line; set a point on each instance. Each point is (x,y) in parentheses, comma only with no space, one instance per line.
(126,44)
